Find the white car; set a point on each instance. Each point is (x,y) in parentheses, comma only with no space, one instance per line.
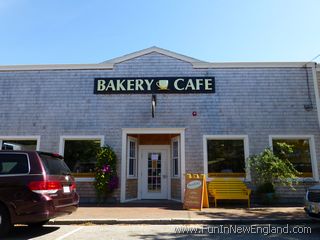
(312,206)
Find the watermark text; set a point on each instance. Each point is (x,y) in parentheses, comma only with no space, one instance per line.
(244,229)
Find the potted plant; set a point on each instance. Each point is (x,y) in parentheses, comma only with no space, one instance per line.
(106,178)
(269,169)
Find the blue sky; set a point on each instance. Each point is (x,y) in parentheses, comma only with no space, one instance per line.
(91,31)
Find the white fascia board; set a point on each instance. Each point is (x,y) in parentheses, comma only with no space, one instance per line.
(153,130)
(9,68)
(197,65)
(151,50)
(253,65)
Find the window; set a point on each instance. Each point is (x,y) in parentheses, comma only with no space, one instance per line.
(80,155)
(301,156)
(54,165)
(132,157)
(175,157)
(226,157)
(11,144)
(13,164)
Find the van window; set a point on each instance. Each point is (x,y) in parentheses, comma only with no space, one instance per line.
(13,164)
(54,165)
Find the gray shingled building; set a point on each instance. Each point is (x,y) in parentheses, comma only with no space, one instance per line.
(208,118)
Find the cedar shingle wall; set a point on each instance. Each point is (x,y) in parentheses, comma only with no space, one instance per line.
(253,101)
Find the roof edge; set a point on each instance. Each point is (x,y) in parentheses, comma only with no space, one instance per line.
(197,65)
(254,65)
(151,50)
(55,67)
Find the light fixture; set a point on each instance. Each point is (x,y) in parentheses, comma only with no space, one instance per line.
(153,104)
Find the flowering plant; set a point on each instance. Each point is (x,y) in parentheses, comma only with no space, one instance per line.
(106,178)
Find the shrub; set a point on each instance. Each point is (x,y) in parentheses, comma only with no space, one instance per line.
(268,168)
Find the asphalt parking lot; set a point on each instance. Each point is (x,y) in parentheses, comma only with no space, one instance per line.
(149,232)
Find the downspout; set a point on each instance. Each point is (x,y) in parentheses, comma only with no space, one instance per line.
(316,93)
(316,90)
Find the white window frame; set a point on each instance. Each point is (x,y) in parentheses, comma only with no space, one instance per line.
(27,137)
(175,139)
(135,174)
(79,137)
(312,150)
(245,139)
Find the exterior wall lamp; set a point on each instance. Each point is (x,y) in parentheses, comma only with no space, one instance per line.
(153,104)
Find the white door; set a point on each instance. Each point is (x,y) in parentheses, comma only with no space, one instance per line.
(154,175)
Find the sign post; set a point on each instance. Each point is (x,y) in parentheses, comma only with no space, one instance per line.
(196,192)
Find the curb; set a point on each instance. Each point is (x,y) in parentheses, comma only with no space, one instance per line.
(177,221)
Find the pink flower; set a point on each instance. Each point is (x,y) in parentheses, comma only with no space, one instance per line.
(106,169)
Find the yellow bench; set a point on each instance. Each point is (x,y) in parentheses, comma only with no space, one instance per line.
(228,188)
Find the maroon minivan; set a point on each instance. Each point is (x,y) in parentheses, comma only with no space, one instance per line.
(34,187)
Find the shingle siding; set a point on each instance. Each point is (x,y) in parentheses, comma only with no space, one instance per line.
(257,102)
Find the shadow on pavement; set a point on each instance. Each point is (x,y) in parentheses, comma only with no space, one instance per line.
(313,235)
(253,213)
(25,232)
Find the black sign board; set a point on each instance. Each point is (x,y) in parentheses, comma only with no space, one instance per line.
(154,85)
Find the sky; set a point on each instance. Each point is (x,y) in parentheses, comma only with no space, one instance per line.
(92,31)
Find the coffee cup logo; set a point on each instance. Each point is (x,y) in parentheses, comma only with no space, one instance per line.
(163,84)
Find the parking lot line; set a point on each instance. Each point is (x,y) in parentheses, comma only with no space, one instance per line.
(69,233)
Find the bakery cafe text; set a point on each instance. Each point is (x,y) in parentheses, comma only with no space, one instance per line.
(154,85)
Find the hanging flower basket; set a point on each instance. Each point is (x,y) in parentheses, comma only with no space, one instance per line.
(106,177)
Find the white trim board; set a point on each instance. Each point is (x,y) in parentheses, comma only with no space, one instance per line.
(21,137)
(126,131)
(314,163)
(45,67)
(153,130)
(245,139)
(252,65)
(151,50)
(178,176)
(136,174)
(109,65)
(84,179)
